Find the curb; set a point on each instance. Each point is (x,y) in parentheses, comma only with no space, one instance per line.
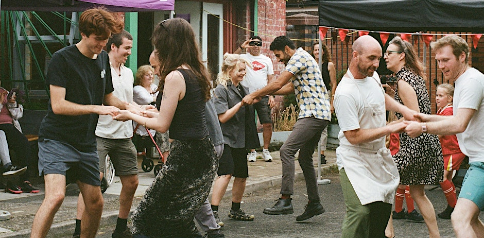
(110,216)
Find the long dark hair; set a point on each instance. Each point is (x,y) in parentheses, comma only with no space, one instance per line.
(176,45)
(412,61)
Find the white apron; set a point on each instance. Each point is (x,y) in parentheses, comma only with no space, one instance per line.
(369,166)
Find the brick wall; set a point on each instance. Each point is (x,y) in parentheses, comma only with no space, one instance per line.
(272,23)
(341,56)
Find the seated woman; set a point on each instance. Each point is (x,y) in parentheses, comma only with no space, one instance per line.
(10,112)
(145,93)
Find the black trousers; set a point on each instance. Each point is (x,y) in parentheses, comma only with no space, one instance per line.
(20,145)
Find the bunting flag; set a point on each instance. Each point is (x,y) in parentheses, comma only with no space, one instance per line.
(384,37)
(405,36)
(409,37)
(322,32)
(427,38)
(475,39)
(363,33)
(342,34)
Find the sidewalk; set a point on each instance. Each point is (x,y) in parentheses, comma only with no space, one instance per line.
(23,207)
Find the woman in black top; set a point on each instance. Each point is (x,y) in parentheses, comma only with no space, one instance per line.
(328,71)
(184,182)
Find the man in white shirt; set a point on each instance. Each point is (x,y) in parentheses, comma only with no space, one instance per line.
(256,78)
(368,174)
(114,137)
(452,56)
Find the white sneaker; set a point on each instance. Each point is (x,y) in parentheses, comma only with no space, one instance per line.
(252,156)
(267,155)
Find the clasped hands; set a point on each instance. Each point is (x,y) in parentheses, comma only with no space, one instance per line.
(131,109)
(412,124)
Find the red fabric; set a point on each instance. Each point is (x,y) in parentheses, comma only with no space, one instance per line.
(5,117)
(453,162)
(322,32)
(394,144)
(399,195)
(449,142)
(449,192)
(409,200)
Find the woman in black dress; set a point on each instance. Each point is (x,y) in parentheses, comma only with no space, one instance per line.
(184,182)
(419,160)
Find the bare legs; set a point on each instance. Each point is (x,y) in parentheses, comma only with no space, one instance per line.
(426,209)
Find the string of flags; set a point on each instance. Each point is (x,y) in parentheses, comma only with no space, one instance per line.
(426,37)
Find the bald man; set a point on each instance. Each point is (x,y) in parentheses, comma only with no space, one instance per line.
(367,172)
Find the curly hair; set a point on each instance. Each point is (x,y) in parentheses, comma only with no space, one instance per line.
(142,70)
(326,57)
(228,65)
(280,42)
(100,22)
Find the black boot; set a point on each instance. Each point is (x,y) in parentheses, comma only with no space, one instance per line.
(282,206)
(446,213)
(311,209)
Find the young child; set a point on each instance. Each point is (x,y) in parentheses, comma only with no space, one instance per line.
(453,157)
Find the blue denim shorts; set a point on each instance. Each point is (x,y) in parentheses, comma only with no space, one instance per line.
(56,157)
(473,184)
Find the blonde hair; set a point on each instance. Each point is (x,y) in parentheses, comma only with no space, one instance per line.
(448,88)
(229,63)
(142,70)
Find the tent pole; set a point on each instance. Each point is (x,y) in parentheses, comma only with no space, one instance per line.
(320,57)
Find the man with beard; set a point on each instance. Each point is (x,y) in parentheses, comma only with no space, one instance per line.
(302,77)
(452,56)
(368,175)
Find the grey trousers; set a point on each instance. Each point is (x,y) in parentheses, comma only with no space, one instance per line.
(304,137)
(204,216)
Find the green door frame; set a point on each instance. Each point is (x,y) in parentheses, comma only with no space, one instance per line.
(131,25)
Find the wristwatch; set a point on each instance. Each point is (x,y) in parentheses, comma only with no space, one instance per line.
(424,128)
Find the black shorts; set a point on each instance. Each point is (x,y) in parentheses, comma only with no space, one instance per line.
(263,110)
(234,162)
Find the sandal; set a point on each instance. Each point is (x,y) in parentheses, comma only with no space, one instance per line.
(240,215)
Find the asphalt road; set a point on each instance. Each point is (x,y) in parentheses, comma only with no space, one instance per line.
(325,225)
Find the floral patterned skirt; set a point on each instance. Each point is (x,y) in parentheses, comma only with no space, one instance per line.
(178,192)
(419,160)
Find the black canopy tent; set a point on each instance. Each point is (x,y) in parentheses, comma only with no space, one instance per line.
(403,15)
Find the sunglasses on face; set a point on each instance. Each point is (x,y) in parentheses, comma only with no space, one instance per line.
(255,43)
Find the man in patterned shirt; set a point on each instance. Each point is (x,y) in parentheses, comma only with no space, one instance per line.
(302,77)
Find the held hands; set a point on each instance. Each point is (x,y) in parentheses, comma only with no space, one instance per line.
(123,115)
(413,128)
(397,127)
(248,99)
(107,110)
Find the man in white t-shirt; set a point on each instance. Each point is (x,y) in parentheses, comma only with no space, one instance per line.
(368,175)
(256,78)
(452,55)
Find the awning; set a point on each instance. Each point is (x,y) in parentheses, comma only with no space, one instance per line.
(403,15)
(81,5)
